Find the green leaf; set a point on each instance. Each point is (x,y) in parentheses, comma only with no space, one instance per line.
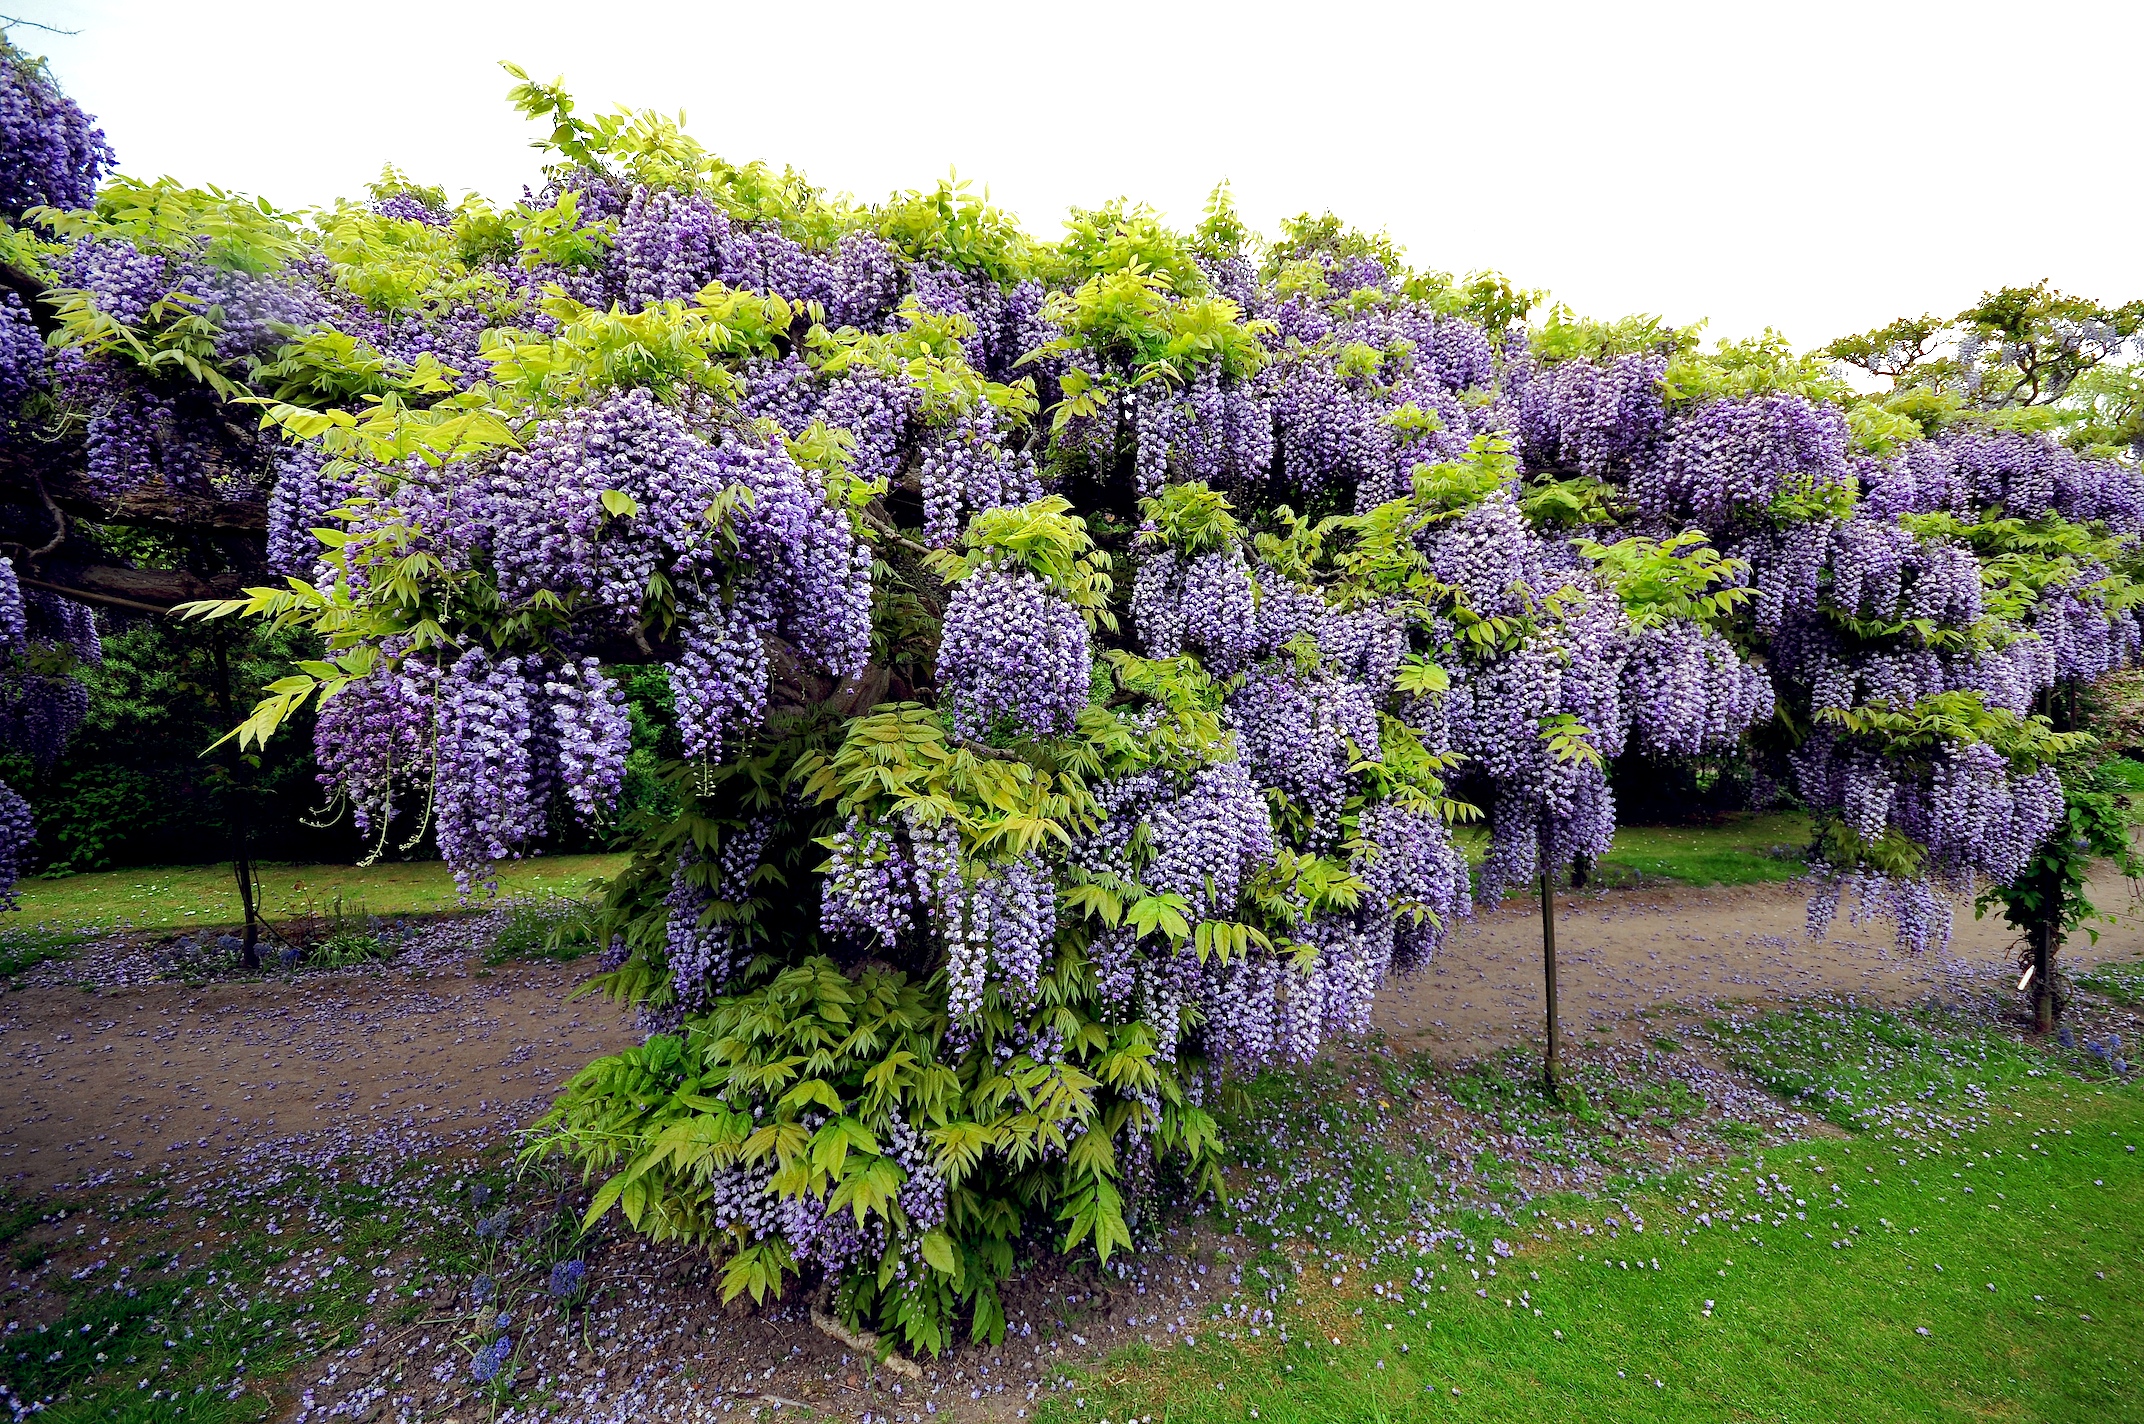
(606,1197)
(938,1250)
(831,1144)
(812,1090)
(1418,676)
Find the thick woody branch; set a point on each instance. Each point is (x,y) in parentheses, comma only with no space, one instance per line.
(27,287)
(975,748)
(53,472)
(893,534)
(151,506)
(134,589)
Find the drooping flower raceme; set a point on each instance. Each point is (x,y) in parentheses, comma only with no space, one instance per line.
(1014,650)
(497,759)
(1733,456)
(1205,604)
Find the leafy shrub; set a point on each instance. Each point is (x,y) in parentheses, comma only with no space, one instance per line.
(344,938)
(549,926)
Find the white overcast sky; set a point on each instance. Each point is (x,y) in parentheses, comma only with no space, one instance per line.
(1817,166)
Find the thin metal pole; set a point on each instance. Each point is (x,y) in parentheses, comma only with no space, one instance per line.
(1552,1062)
(2043,971)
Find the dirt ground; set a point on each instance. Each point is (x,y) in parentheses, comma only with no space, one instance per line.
(117,1079)
(1620,952)
(91,1082)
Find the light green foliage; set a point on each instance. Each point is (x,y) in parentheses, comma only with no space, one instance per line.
(557,236)
(901,759)
(926,352)
(1488,299)
(1120,236)
(323,367)
(2020,559)
(1959,718)
(223,229)
(1681,577)
(1132,316)
(1912,737)
(395,265)
(2100,793)
(1305,238)
(28,253)
(1932,409)
(1046,539)
(1376,557)
(1756,366)
(672,348)
(1880,431)
(950,224)
(1566,336)
(1192,519)
(643,146)
(1222,232)
(812,1076)
(806,1069)
(2106,405)
(177,334)
(1569,505)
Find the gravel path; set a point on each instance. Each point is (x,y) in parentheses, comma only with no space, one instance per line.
(1623,952)
(435,1041)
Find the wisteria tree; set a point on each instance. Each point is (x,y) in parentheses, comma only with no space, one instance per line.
(1090,658)
(52,157)
(2054,529)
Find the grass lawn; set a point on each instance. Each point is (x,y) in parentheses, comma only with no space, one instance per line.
(1963,1239)
(246,1300)
(1742,850)
(206,896)
(1970,1248)
(1745,849)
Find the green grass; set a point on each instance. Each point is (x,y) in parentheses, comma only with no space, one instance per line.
(191,1323)
(1819,1322)
(206,896)
(23,946)
(1746,849)
(209,1318)
(2123,983)
(1800,1330)
(547,926)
